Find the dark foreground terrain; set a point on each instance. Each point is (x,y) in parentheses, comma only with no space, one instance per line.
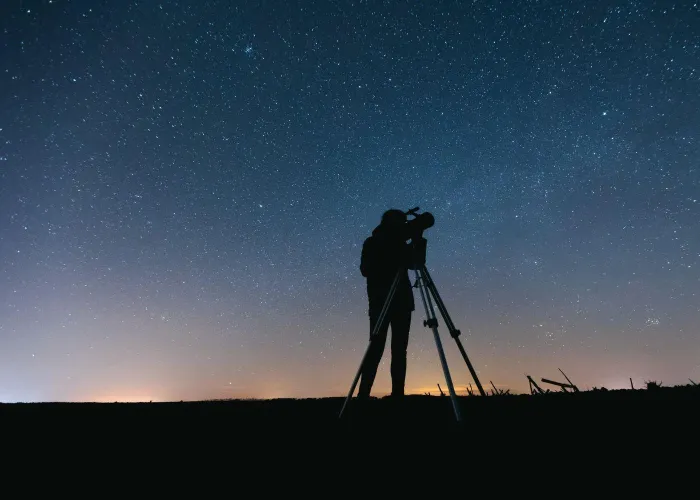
(663,416)
(556,442)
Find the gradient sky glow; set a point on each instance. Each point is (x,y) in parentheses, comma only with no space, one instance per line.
(185,187)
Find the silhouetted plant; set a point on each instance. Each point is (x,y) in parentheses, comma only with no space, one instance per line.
(652,385)
(501,392)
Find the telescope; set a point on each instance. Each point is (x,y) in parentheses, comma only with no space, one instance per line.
(419,223)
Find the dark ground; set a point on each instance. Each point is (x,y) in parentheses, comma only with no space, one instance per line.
(652,415)
(560,443)
(528,444)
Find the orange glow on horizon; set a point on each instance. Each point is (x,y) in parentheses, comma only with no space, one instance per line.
(127,398)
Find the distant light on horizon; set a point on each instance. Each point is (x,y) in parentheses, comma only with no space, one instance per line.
(130,398)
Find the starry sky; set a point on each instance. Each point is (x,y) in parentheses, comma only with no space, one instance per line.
(185,187)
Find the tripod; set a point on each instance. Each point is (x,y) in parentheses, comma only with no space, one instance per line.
(427,288)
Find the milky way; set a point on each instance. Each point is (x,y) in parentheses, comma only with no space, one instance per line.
(185,188)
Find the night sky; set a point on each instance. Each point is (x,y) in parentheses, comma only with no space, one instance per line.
(185,187)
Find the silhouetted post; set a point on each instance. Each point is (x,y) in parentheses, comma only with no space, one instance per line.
(573,386)
(631,383)
(691,381)
(562,385)
(440,389)
(534,388)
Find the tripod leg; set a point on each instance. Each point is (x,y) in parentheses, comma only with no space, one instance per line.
(377,326)
(432,323)
(430,284)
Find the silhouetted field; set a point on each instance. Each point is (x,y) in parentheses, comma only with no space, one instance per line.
(539,421)
(291,447)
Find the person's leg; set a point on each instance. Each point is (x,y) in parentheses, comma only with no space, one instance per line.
(374,355)
(400,326)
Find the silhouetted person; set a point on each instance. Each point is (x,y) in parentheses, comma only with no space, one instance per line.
(383,255)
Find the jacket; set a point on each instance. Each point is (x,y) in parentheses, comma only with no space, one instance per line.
(383,254)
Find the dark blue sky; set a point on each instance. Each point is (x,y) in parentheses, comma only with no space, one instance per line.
(185,188)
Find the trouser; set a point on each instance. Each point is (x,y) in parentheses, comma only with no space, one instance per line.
(400,321)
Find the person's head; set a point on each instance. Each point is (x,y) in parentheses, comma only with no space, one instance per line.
(393,218)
